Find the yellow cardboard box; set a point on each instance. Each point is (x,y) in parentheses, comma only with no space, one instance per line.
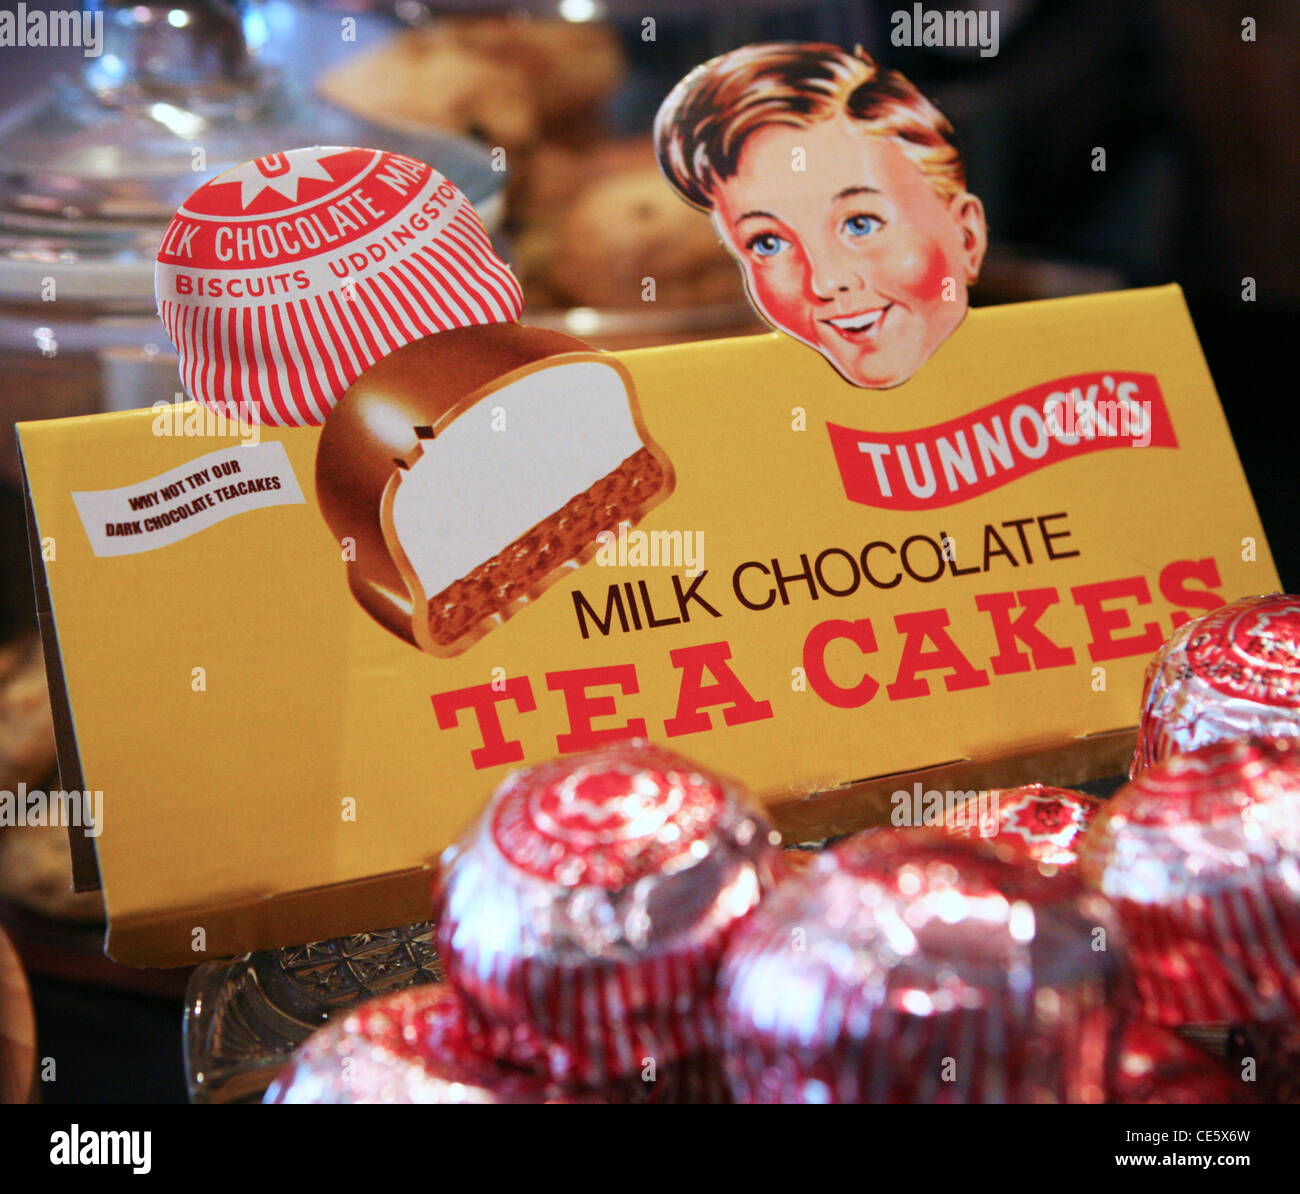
(958,578)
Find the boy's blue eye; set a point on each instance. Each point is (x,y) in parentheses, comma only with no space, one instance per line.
(767,245)
(861,225)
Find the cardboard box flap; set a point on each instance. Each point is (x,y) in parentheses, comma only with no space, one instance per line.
(85,866)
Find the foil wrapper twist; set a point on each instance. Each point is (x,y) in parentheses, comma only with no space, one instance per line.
(415,1046)
(1034,823)
(1156,1066)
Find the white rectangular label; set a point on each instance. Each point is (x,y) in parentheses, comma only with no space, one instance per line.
(177,504)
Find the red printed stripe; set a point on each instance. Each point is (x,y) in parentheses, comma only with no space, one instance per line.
(300,361)
(271,365)
(205,350)
(473,262)
(320,392)
(476,236)
(382,321)
(217,346)
(982,450)
(452,272)
(250,369)
(369,327)
(395,299)
(335,380)
(351,339)
(432,286)
(291,365)
(419,271)
(484,290)
(432,321)
(438,277)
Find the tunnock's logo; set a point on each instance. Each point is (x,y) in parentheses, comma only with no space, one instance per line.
(984,449)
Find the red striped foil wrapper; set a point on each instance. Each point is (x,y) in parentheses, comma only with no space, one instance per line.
(1035,823)
(584,915)
(282,281)
(415,1046)
(1228,675)
(910,967)
(1156,1066)
(421,1045)
(1200,856)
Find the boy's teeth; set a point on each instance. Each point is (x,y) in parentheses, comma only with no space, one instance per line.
(857,323)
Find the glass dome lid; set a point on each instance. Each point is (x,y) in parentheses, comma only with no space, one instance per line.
(92,170)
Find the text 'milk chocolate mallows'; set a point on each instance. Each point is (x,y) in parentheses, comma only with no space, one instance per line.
(282,281)
(465,462)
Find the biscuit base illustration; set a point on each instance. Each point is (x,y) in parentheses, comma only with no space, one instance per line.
(468,471)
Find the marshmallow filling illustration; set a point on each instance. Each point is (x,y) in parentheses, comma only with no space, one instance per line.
(507,464)
(473,468)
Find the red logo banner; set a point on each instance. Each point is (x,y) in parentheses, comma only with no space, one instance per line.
(979,451)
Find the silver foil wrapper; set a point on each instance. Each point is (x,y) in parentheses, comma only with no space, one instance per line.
(415,1046)
(1233,673)
(910,967)
(1200,855)
(1156,1066)
(584,914)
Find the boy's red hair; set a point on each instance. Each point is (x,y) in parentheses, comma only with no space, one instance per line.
(704,123)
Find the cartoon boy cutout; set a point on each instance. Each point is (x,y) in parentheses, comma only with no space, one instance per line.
(836,186)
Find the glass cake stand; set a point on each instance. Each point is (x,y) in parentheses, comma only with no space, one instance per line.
(244,1016)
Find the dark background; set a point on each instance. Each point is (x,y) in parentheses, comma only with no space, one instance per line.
(1201,188)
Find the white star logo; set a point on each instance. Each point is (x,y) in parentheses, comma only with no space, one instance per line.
(1286,615)
(281,172)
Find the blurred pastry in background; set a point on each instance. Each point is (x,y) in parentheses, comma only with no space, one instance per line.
(572,67)
(420,80)
(26,724)
(621,240)
(35,862)
(592,218)
(36,873)
(506,81)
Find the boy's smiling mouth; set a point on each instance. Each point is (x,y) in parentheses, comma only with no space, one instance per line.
(860,326)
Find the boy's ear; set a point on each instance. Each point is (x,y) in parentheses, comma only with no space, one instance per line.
(968,211)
